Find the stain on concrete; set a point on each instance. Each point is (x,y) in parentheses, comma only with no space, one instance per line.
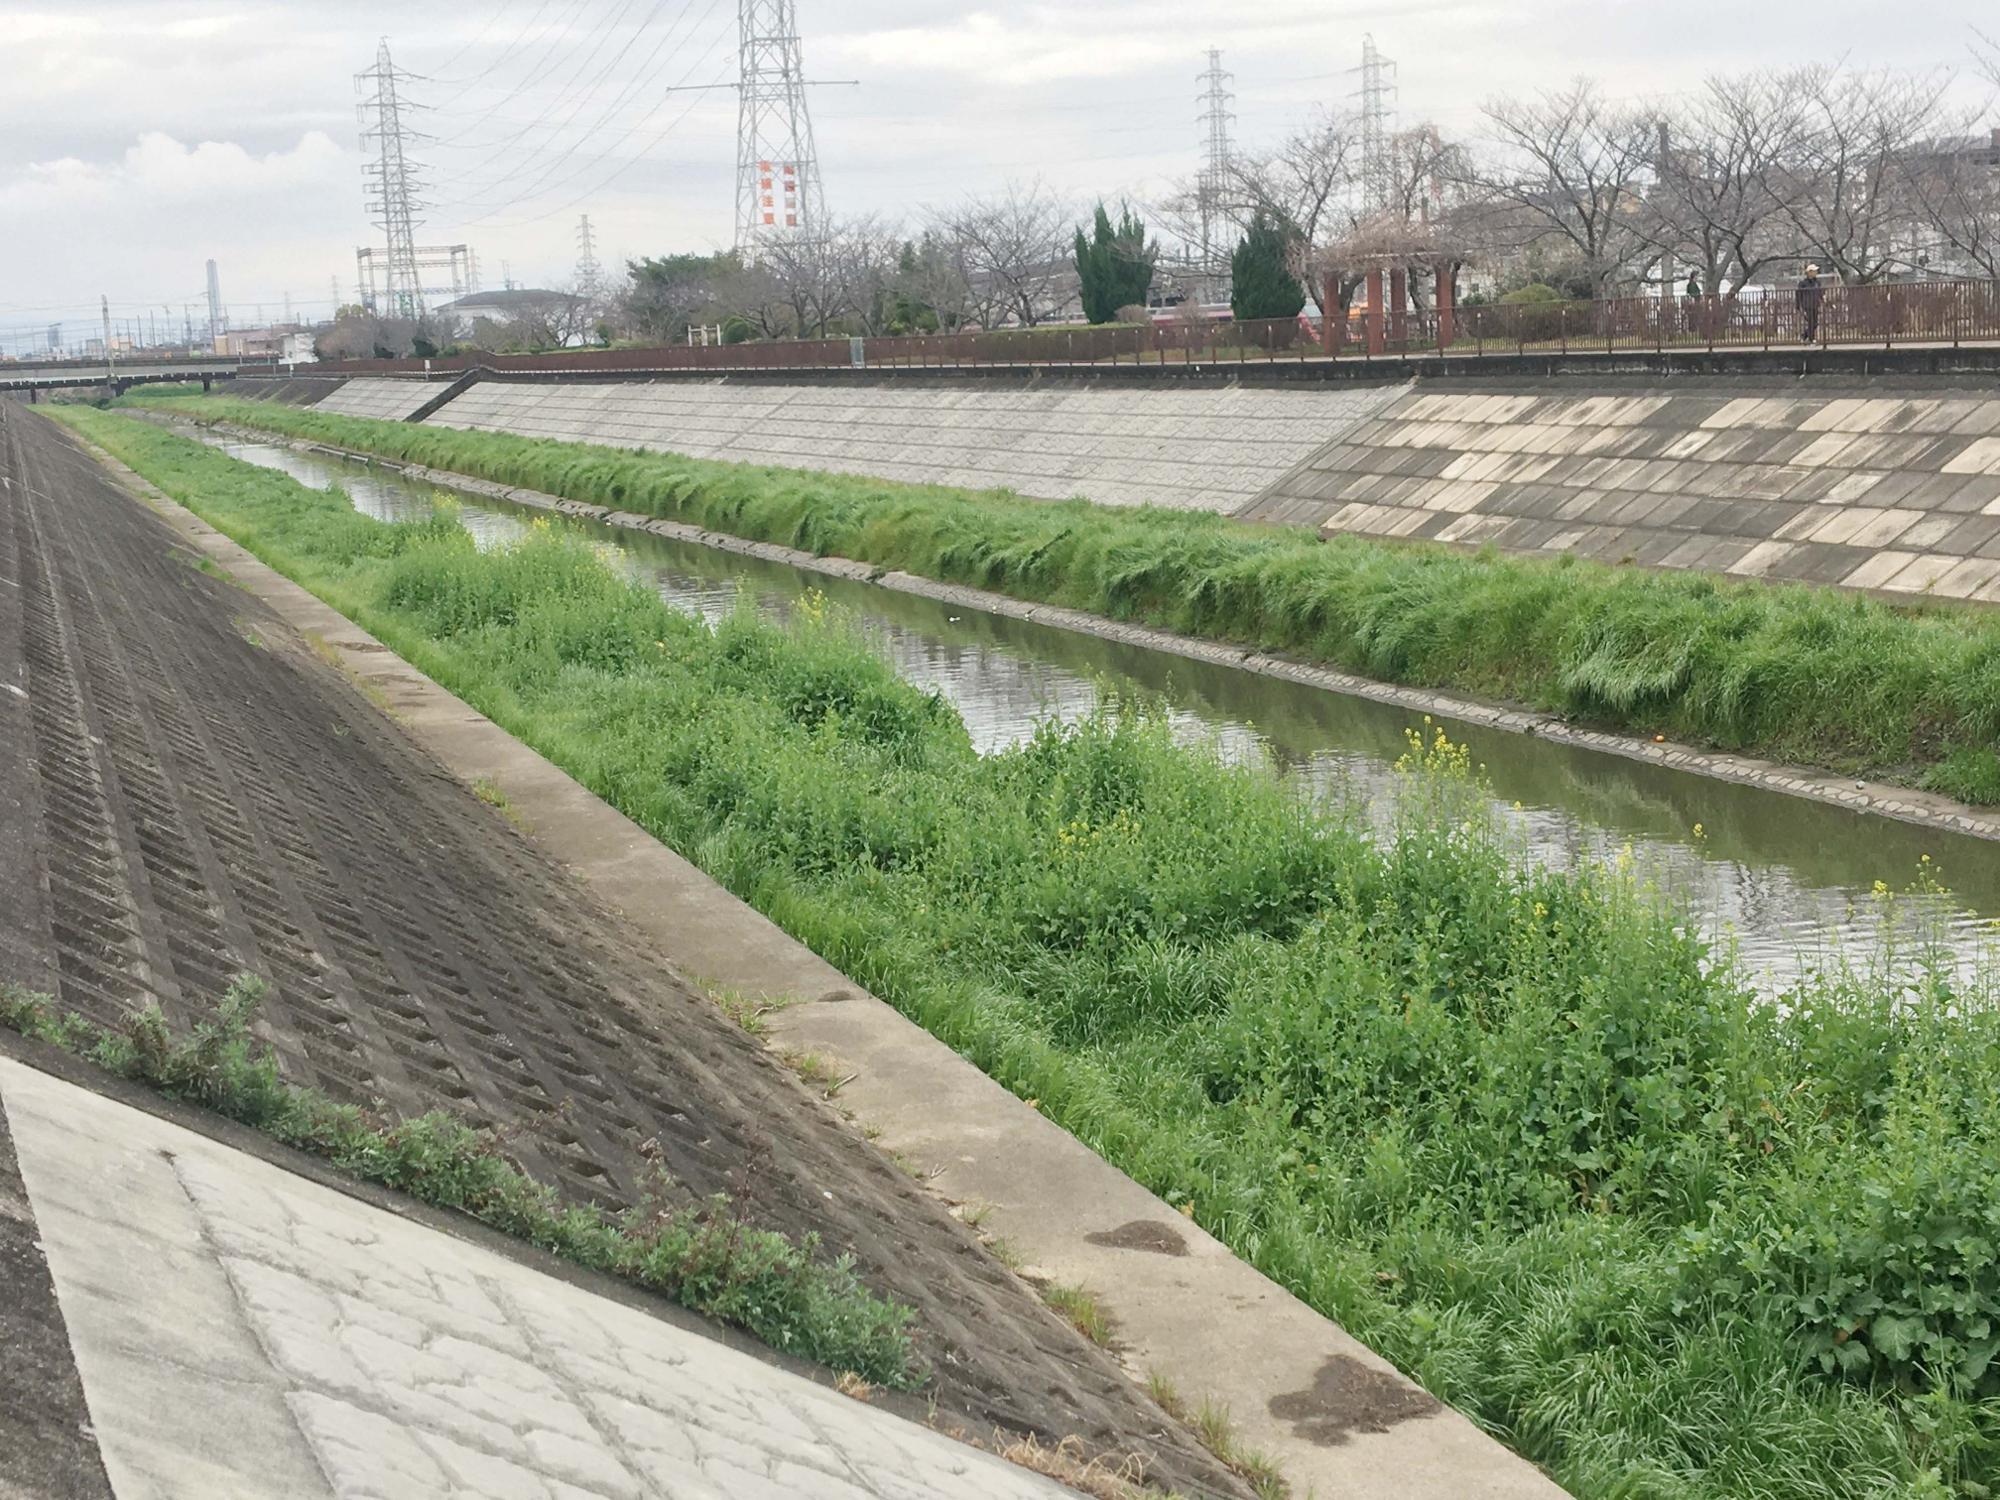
(1142,1234)
(1347,1397)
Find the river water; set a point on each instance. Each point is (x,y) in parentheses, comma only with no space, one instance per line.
(1781,877)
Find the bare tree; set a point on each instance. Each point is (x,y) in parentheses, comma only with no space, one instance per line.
(1731,176)
(833,278)
(1955,203)
(1571,168)
(1012,254)
(552,320)
(663,295)
(930,284)
(1857,158)
(1307,183)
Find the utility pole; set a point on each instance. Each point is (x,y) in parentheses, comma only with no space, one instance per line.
(777,168)
(393,181)
(1377,96)
(109,362)
(1213,182)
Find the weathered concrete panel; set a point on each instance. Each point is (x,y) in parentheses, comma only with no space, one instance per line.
(1886,491)
(1188,449)
(384,400)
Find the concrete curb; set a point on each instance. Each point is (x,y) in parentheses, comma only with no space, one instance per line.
(1337,1419)
(1880,798)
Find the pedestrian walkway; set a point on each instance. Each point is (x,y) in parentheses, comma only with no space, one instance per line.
(242,1331)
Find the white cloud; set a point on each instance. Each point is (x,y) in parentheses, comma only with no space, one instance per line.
(161,171)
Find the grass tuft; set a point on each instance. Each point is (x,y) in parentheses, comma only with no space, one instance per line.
(700,1256)
(1081,1309)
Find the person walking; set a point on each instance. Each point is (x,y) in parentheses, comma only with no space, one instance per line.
(1808,297)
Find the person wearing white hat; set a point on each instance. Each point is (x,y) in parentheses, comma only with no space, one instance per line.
(1808,297)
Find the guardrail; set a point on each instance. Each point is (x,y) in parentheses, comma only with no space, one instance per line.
(1883,315)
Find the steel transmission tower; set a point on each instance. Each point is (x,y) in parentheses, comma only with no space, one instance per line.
(1377,97)
(1212,185)
(777,169)
(589,274)
(393,180)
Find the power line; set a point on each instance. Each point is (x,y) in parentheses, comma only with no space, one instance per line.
(508,146)
(465,86)
(543,47)
(478,37)
(630,162)
(645,75)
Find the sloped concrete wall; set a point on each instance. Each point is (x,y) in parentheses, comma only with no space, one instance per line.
(1188,449)
(1892,492)
(384,400)
(287,390)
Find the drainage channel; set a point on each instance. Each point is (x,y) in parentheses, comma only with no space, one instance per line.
(1786,880)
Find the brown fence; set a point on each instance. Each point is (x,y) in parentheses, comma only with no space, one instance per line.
(1932,312)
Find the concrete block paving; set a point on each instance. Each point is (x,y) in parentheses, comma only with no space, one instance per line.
(323,1347)
(1837,490)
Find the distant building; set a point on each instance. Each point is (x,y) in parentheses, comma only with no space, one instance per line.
(266,343)
(500,306)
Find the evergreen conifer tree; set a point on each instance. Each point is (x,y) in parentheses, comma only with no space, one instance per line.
(1262,284)
(1114,264)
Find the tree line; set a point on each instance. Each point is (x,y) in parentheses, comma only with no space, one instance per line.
(1873,175)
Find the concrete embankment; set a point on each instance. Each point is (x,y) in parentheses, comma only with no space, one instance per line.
(1872,488)
(1890,485)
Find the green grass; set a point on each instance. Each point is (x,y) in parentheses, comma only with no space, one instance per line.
(1802,674)
(702,1257)
(1516,1128)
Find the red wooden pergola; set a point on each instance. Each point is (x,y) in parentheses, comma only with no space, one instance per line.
(1380,256)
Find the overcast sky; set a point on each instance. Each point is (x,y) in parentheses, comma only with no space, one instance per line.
(140,137)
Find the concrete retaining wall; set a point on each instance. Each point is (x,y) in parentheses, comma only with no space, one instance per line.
(292,390)
(1895,492)
(1210,448)
(384,400)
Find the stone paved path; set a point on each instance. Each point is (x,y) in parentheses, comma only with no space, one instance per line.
(245,1332)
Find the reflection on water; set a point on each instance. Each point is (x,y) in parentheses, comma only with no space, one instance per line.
(1780,874)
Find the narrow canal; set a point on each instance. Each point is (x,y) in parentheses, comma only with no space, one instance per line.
(1782,877)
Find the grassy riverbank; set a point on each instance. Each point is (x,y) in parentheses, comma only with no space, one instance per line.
(1515,1128)
(1801,674)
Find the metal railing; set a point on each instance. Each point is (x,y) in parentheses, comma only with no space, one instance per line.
(1884,315)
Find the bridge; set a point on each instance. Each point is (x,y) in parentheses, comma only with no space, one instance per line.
(33,376)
